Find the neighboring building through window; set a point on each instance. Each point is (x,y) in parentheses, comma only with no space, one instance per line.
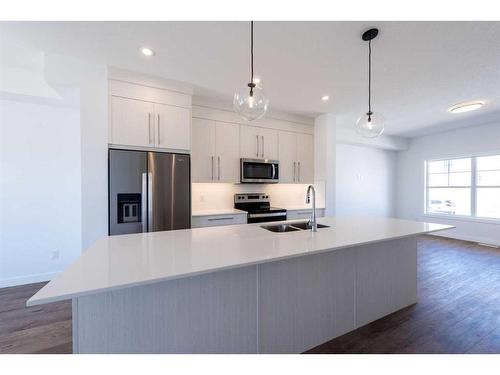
(465,186)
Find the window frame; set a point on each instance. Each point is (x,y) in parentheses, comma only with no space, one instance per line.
(473,189)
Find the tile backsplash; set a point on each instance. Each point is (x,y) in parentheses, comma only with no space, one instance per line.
(208,196)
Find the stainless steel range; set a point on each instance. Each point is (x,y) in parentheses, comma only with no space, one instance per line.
(258,207)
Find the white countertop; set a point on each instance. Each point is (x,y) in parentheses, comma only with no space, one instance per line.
(124,261)
(220,211)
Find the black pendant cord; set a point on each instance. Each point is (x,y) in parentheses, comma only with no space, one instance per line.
(251,84)
(369,80)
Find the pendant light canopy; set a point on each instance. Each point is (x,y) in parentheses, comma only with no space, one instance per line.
(250,102)
(370,124)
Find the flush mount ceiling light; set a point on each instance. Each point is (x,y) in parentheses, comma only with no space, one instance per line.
(251,102)
(325,98)
(147,51)
(466,106)
(370,124)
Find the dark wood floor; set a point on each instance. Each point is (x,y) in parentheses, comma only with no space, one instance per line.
(458,310)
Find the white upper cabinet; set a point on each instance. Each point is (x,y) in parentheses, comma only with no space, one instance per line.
(258,143)
(215,153)
(203,152)
(305,158)
(132,122)
(287,148)
(228,151)
(173,127)
(296,157)
(142,116)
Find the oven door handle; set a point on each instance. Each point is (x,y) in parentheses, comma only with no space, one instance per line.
(273,214)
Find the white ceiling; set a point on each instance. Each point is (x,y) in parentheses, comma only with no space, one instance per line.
(419,68)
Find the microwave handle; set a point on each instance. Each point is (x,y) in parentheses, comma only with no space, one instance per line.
(274,170)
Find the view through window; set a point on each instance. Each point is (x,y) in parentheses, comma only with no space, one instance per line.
(465,186)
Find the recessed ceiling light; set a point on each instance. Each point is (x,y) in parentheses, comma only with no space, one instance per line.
(325,98)
(147,51)
(465,107)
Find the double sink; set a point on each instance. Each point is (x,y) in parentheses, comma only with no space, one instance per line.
(291,227)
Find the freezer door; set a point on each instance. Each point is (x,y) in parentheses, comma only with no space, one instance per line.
(169,188)
(127,191)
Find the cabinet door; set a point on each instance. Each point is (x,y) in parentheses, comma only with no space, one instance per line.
(203,152)
(287,155)
(250,142)
(132,122)
(173,127)
(269,144)
(305,158)
(227,151)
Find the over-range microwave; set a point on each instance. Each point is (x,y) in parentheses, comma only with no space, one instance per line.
(260,171)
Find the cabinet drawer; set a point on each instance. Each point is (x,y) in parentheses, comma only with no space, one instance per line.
(217,220)
(303,214)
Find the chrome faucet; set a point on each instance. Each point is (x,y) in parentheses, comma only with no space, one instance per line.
(312,220)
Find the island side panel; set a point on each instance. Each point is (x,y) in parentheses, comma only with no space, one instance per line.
(306,301)
(213,313)
(386,278)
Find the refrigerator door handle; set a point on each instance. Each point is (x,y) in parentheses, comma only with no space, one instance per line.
(144,202)
(150,201)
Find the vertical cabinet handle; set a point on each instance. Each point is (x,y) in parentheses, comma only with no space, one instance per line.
(294,170)
(218,167)
(149,127)
(298,172)
(257,153)
(212,164)
(262,146)
(158,125)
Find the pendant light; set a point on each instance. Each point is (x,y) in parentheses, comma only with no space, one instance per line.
(370,124)
(251,102)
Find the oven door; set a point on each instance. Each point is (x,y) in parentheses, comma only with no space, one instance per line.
(259,171)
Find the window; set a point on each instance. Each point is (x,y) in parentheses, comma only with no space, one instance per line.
(465,186)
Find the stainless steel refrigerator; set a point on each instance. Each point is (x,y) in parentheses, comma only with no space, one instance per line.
(148,191)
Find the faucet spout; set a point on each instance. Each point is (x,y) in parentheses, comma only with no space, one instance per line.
(312,221)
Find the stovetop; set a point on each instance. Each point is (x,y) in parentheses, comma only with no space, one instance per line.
(255,203)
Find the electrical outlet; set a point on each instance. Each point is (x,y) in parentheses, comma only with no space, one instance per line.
(55,255)
(202,198)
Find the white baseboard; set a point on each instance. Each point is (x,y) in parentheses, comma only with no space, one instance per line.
(484,240)
(28,279)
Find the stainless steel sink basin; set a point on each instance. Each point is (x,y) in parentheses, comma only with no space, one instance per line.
(291,227)
(304,225)
(280,228)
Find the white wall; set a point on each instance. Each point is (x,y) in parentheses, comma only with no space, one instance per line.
(53,175)
(40,194)
(410,171)
(366,181)
(324,158)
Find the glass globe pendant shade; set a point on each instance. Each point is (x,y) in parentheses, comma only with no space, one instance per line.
(250,107)
(370,125)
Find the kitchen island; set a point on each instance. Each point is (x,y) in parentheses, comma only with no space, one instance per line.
(240,288)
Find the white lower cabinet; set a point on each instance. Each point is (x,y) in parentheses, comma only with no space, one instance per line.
(303,214)
(217,220)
